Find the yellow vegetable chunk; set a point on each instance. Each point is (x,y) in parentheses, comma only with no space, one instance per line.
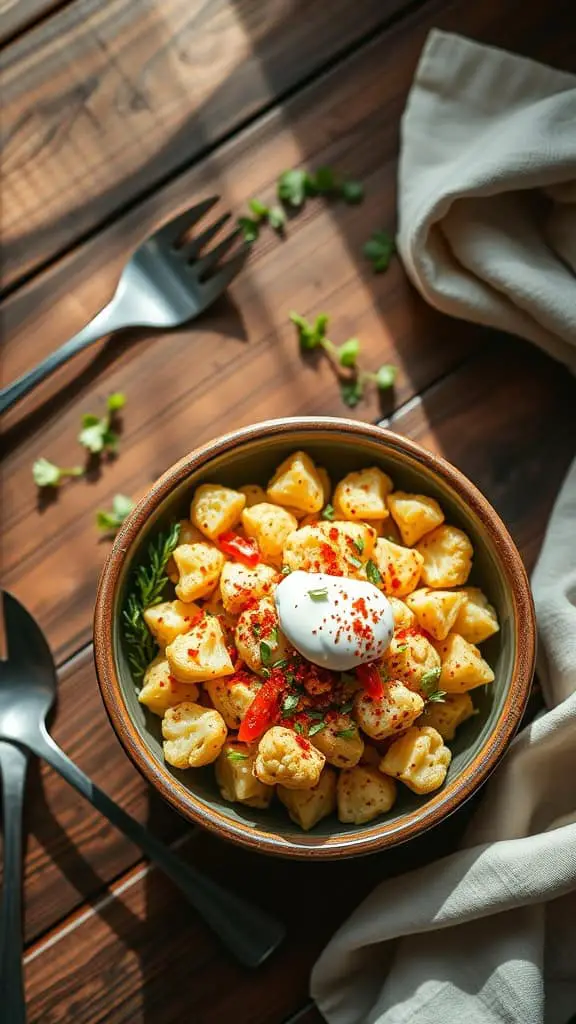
(193,735)
(307,807)
(419,759)
(235,777)
(445,716)
(326,484)
(404,618)
(396,710)
(170,618)
(297,484)
(414,514)
(160,690)
(256,625)
(399,567)
(254,494)
(239,585)
(463,666)
(232,697)
(338,548)
(436,610)
(447,557)
(340,742)
(199,566)
(477,619)
(362,495)
(200,654)
(363,794)
(188,534)
(409,658)
(288,759)
(216,509)
(269,525)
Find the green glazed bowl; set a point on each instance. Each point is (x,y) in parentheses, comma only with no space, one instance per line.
(249,456)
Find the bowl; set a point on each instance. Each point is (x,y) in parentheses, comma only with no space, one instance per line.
(249,455)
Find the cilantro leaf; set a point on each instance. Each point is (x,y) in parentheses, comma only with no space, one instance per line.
(97,434)
(112,520)
(347,734)
(429,680)
(352,391)
(316,727)
(235,755)
(292,187)
(325,182)
(289,704)
(352,192)
(319,715)
(348,352)
(46,474)
(250,229)
(310,335)
(373,573)
(320,594)
(328,512)
(259,210)
(277,218)
(379,250)
(385,377)
(265,653)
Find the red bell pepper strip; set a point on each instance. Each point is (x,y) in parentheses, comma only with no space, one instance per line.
(238,547)
(262,713)
(370,678)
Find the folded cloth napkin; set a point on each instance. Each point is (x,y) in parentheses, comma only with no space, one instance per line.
(487,232)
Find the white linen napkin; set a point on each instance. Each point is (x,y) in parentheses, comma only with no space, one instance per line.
(487,231)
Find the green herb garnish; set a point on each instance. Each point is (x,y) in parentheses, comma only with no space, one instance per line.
(147,590)
(436,697)
(265,653)
(317,727)
(97,434)
(348,352)
(328,512)
(235,755)
(298,728)
(289,704)
(352,192)
(311,335)
(282,663)
(112,520)
(352,391)
(385,377)
(429,680)
(320,594)
(379,251)
(315,714)
(373,573)
(250,229)
(277,219)
(355,561)
(402,648)
(347,734)
(344,709)
(358,544)
(46,474)
(286,570)
(293,186)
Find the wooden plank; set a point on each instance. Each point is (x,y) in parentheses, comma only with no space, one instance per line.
(144,90)
(18,15)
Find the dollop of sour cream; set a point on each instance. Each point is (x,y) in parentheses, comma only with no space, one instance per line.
(334,621)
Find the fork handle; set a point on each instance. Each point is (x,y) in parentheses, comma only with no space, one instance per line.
(13,765)
(103,323)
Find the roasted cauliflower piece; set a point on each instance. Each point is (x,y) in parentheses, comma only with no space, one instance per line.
(419,759)
(216,509)
(404,617)
(436,610)
(399,567)
(258,634)
(339,741)
(240,585)
(445,716)
(188,534)
(396,710)
(269,525)
(193,735)
(232,696)
(199,566)
(362,495)
(170,618)
(476,619)
(235,777)
(297,484)
(288,759)
(340,548)
(447,557)
(463,666)
(201,653)
(363,793)
(414,514)
(409,658)
(160,690)
(307,807)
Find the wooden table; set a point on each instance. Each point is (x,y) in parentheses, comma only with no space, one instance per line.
(116,114)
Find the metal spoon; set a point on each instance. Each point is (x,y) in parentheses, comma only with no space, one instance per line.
(13,766)
(27,692)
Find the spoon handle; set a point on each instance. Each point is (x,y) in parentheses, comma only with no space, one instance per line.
(13,766)
(247,931)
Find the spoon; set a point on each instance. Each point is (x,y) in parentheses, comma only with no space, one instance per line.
(27,692)
(13,767)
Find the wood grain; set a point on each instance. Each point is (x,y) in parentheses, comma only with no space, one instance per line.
(18,15)
(144,90)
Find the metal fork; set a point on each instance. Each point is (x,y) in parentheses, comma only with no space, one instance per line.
(165,283)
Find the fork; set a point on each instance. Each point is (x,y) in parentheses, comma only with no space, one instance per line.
(167,281)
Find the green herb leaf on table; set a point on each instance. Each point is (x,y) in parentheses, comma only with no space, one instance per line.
(319,594)
(116,401)
(277,218)
(385,377)
(260,211)
(347,734)
(236,755)
(250,229)
(379,251)
(147,589)
(352,391)
(46,474)
(310,335)
(293,186)
(373,573)
(348,352)
(328,512)
(352,192)
(97,434)
(324,182)
(316,727)
(112,520)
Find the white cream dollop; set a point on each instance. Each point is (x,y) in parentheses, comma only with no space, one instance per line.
(334,621)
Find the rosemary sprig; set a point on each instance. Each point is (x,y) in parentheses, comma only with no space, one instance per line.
(150,580)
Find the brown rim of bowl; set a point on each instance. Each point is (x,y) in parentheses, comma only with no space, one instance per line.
(380,835)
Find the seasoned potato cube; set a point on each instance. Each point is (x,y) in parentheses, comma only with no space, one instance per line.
(308,806)
(188,534)
(414,514)
(239,585)
(326,485)
(214,606)
(254,494)
(384,716)
(404,618)
(463,667)
(409,657)
(363,794)
(160,690)
(477,619)
(436,610)
(399,567)
(170,618)
(362,495)
(201,653)
(216,509)
(288,759)
(193,735)
(232,696)
(445,716)
(335,548)
(235,777)
(447,557)
(257,625)
(297,483)
(199,566)
(340,742)
(269,525)
(419,759)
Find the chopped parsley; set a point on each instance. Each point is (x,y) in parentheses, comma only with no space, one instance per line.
(319,594)
(344,709)
(348,352)
(355,561)
(235,755)
(328,512)
(373,573)
(286,570)
(347,734)
(401,648)
(359,545)
(97,434)
(429,679)
(289,704)
(317,727)
(111,521)
(46,474)
(265,653)
(379,251)
(298,728)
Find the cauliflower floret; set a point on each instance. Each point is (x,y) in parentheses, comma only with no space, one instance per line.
(445,716)
(239,585)
(193,735)
(399,567)
(308,806)
(436,610)
(232,696)
(340,741)
(269,525)
(463,667)
(477,619)
(201,653)
(363,794)
(297,484)
(170,618)
(188,534)
(447,557)
(216,509)
(362,495)
(339,548)
(257,632)
(419,759)
(235,777)
(384,716)
(404,618)
(414,514)
(410,657)
(199,566)
(283,757)
(160,690)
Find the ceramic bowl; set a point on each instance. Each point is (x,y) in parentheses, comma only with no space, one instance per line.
(250,455)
